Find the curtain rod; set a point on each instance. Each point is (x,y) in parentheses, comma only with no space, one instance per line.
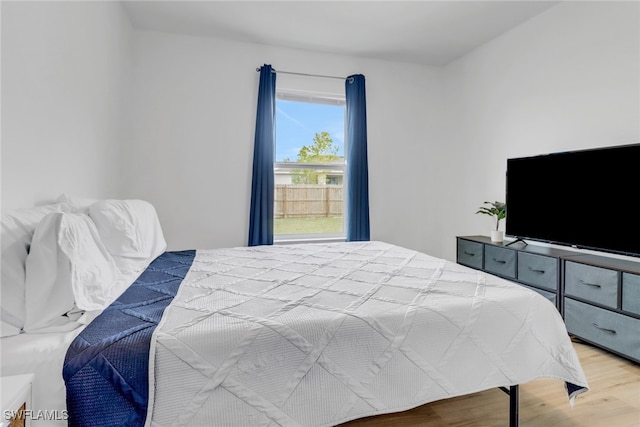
(304,74)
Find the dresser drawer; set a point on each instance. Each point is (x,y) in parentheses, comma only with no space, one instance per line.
(538,270)
(500,261)
(470,253)
(590,283)
(612,330)
(631,292)
(548,295)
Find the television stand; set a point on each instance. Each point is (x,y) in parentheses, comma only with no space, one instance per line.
(536,267)
(598,296)
(516,241)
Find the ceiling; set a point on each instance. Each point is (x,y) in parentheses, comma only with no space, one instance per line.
(422,32)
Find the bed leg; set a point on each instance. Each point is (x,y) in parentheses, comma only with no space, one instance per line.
(513,406)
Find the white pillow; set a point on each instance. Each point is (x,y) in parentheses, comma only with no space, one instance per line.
(131,231)
(68,269)
(17,231)
(79,204)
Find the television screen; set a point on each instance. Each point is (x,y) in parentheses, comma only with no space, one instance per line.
(586,199)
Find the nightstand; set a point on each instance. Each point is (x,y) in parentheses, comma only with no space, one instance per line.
(15,394)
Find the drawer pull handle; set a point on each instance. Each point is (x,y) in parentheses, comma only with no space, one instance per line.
(469,253)
(593,285)
(609,331)
(536,271)
(499,261)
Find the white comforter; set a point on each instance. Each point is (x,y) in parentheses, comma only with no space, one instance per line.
(319,334)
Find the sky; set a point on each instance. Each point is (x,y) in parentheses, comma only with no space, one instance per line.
(298,122)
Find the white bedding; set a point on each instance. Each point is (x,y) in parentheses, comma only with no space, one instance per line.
(49,282)
(320,334)
(41,355)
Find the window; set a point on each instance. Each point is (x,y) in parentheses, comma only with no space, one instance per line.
(309,166)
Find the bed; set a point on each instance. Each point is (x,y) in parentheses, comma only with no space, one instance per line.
(307,334)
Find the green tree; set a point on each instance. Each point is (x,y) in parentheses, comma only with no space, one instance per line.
(322,150)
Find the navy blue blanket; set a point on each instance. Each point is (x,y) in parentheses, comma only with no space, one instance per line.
(106,369)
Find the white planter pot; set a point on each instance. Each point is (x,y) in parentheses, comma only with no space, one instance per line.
(497,236)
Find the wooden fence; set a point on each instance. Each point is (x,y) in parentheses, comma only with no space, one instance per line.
(308,201)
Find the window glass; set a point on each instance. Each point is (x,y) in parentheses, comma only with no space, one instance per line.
(309,168)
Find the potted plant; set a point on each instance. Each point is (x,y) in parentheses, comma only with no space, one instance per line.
(498,210)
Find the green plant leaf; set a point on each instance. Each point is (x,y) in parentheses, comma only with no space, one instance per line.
(497,210)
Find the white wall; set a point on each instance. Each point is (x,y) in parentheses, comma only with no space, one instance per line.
(65,70)
(192,130)
(92,108)
(567,79)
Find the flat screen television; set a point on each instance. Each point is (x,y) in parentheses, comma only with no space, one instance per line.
(586,199)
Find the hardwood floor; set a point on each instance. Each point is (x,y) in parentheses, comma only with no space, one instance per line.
(612,401)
